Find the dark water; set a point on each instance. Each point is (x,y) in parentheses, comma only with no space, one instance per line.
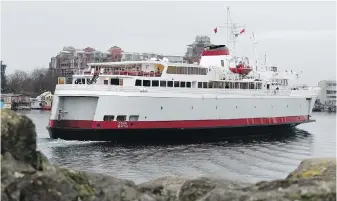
(253,159)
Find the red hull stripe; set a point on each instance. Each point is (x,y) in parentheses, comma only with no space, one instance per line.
(215,52)
(87,124)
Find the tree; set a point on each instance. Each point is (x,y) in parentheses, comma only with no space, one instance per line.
(36,82)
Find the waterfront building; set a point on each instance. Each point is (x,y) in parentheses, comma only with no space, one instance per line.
(328,92)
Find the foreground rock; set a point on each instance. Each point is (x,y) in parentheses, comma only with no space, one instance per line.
(26,174)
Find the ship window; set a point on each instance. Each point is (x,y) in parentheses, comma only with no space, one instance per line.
(243,85)
(170,83)
(188,84)
(138,82)
(171,70)
(227,85)
(204,85)
(236,85)
(163,83)
(146,83)
(114,81)
(176,83)
(121,118)
(182,84)
(222,63)
(108,117)
(190,70)
(155,83)
(199,84)
(133,117)
(184,70)
(106,82)
(80,81)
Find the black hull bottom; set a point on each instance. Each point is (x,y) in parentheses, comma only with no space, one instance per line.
(151,135)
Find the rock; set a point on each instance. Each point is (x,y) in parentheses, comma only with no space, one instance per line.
(18,136)
(164,188)
(26,174)
(318,168)
(278,190)
(197,188)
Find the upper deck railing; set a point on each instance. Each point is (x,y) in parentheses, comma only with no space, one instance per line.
(214,91)
(120,72)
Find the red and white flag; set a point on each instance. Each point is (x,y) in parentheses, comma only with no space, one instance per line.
(241,32)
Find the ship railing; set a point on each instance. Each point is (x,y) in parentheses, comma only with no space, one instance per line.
(250,92)
(120,72)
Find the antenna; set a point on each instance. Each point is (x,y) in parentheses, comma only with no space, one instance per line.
(255,51)
(227,24)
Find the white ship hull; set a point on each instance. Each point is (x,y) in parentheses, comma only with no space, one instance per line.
(171,110)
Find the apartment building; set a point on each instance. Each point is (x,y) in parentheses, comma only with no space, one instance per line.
(328,92)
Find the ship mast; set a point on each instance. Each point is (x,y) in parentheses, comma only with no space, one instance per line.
(232,32)
(255,51)
(227,25)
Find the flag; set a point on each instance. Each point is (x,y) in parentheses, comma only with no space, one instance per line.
(241,32)
(216,29)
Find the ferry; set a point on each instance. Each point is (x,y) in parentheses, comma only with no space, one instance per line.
(137,100)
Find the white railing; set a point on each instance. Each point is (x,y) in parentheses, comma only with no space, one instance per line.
(248,92)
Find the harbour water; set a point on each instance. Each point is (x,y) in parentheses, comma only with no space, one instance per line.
(253,159)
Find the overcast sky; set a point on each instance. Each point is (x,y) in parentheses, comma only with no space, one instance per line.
(294,35)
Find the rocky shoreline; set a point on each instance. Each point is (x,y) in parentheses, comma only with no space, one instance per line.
(27,175)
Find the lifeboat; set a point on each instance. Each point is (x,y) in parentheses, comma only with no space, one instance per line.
(242,67)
